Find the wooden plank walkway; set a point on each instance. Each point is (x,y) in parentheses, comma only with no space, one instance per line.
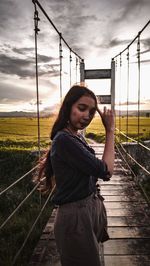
(128,224)
(128,219)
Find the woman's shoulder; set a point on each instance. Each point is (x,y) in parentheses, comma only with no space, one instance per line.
(61,136)
(66,137)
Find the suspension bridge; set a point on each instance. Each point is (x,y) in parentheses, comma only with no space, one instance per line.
(126,195)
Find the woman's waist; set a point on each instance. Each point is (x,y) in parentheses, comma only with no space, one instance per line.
(79,202)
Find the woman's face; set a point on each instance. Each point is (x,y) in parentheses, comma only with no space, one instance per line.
(82,112)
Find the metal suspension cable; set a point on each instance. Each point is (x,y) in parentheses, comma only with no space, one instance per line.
(42,9)
(18,180)
(147,148)
(147,198)
(133,39)
(34,224)
(19,206)
(125,160)
(142,167)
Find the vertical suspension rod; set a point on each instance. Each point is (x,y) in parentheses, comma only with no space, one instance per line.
(120,97)
(139,80)
(36,30)
(127,125)
(76,67)
(46,15)
(60,60)
(70,60)
(116,67)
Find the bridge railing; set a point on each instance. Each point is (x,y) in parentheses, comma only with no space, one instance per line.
(21,221)
(133,105)
(66,59)
(24,210)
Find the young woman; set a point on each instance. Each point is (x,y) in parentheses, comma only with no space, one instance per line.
(81,221)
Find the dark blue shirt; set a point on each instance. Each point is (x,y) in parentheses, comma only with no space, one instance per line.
(75,167)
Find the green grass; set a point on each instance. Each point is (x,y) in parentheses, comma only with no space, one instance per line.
(14,164)
(22,128)
(96,127)
(22,132)
(144,127)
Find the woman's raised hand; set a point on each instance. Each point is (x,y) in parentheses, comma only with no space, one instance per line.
(108,119)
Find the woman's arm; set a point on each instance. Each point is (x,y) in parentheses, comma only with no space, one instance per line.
(107,117)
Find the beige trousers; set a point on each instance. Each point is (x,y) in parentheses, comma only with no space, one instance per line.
(78,229)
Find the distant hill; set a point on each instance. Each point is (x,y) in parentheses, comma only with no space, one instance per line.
(47,113)
(134,113)
(24,114)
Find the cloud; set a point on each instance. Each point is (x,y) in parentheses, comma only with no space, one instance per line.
(130,8)
(11,93)
(7,9)
(73,20)
(113,43)
(16,66)
(30,51)
(146,46)
(25,68)
(23,50)
(25,92)
(93,29)
(16,20)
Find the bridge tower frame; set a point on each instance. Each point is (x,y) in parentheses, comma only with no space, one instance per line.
(101,74)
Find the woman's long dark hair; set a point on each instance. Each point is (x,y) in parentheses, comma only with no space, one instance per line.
(73,95)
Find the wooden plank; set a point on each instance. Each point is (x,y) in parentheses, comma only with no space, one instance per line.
(125,205)
(103,99)
(123,198)
(97,73)
(127,247)
(129,232)
(127,221)
(117,221)
(107,191)
(124,212)
(127,260)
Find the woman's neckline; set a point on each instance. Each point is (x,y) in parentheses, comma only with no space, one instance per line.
(70,132)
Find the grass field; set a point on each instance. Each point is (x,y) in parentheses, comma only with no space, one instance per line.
(24,128)
(22,132)
(97,127)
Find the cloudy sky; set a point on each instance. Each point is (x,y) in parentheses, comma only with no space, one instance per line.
(97,30)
